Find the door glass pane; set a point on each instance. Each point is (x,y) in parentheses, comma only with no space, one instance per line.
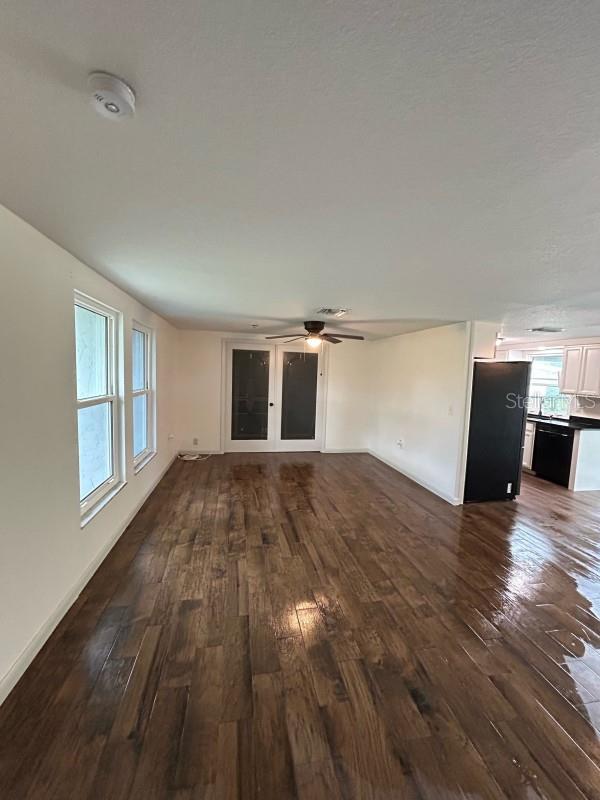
(250,394)
(91,330)
(299,395)
(95,450)
(140,423)
(138,358)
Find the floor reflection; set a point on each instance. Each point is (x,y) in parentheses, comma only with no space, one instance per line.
(544,596)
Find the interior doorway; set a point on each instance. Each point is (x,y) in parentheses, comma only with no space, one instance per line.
(274,397)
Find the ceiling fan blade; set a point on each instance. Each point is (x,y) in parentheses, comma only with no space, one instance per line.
(284,336)
(348,336)
(329,338)
(295,339)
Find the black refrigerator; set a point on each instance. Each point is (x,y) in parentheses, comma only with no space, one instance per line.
(496,430)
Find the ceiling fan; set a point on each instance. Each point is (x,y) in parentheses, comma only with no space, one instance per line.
(314,335)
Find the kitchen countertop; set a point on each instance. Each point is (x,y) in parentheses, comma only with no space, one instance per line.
(574,423)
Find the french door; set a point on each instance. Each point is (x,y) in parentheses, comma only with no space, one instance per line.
(273,397)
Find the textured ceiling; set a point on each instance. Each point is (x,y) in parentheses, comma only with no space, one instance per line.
(414,161)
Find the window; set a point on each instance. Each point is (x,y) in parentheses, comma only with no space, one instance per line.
(97,402)
(544,390)
(142,395)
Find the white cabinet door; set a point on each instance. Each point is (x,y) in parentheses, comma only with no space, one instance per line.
(571,370)
(589,380)
(528,445)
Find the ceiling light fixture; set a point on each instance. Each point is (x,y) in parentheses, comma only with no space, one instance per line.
(111,96)
(315,334)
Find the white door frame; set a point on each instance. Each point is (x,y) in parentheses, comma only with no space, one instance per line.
(249,445)
(300,445)
(273,443)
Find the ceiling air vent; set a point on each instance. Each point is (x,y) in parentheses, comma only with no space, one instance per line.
(545,329)
(333,312)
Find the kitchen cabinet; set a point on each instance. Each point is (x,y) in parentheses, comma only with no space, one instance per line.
(589,378)
(528,445)
(581,371)
(571,370)
(567,453)
(553,453)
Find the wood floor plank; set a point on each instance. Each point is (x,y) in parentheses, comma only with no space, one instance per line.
(366,763)
(327,678)
(197,761)
(267,768)
(305,731)
(118,764)
(155,773)
(237,671)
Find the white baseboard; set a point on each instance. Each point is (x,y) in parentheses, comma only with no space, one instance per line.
(344,450)
(10,679)
(195,451)
(455,501)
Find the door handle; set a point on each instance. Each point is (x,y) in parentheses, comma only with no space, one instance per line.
(271,404)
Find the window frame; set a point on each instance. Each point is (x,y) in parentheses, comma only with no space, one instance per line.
(530,355)
(102,494)
(147,454)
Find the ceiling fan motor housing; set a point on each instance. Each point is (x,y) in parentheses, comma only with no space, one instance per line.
(314,326)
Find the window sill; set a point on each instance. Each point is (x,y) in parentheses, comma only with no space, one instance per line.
(142,460)
(90,513)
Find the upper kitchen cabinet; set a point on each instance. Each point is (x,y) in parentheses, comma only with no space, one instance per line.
(589,381)
(581,371)
(571,370)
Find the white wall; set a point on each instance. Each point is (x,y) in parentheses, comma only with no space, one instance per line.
(198,402)
(349,394)
(45,557)
(419,396)
(483,339)
(199,388)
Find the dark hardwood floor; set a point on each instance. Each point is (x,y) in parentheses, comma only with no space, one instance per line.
(300,625)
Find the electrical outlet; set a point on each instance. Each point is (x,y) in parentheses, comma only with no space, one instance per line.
(400,442)
(195,441)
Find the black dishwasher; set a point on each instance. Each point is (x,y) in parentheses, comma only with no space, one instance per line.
(552,452)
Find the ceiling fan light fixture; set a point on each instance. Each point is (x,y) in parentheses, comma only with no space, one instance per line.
(314,334)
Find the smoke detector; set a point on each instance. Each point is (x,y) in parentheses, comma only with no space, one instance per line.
(111,96)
